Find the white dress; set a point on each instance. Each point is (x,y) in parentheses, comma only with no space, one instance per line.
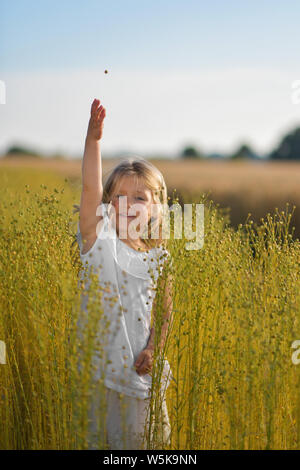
(129,278)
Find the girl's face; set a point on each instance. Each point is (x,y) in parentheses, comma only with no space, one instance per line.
(137,204)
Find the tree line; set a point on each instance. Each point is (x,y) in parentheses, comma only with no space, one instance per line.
(288,149)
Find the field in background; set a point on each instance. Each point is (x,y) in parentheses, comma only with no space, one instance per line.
(244,187)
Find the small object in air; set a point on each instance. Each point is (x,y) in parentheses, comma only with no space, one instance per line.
(105,71)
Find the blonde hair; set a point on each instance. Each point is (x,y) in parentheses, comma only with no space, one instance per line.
(153,180)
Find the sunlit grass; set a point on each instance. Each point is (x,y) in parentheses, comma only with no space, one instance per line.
(236,314)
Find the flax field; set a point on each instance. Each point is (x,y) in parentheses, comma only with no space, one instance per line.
(236,307)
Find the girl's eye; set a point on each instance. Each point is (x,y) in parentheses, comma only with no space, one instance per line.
(140,198)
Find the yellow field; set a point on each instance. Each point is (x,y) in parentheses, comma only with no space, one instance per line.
(236,306)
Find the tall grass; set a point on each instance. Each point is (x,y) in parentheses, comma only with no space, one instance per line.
(236,314)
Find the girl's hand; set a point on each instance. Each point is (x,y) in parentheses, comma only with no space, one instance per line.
(144,362)
(96,122)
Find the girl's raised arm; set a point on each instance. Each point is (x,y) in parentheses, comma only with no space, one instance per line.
(92,189)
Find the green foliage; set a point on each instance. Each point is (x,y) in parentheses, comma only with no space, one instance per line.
(243,152)
(19,151)
(191,152)
(289,147)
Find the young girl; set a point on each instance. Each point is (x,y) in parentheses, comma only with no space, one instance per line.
(130,268)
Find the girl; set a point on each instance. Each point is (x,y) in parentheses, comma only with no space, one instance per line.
(129,267)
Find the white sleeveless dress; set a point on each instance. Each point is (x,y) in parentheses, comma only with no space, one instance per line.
(129,278)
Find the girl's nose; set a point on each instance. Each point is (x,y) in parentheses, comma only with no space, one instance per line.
(130,202)
(128,209)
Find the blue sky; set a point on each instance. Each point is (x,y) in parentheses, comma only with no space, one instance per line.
(166,59)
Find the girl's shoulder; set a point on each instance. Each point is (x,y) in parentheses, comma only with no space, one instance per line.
(102,230)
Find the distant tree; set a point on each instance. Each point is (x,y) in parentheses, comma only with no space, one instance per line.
(16,150)
(289,147)
(191,152)
(244,152)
